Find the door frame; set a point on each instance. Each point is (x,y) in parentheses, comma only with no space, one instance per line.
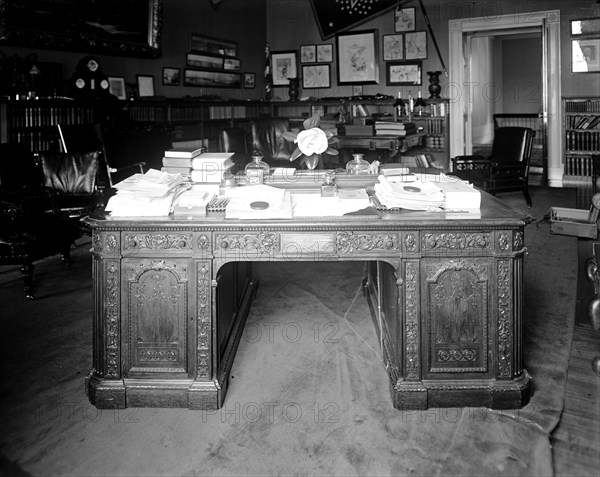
(460,92)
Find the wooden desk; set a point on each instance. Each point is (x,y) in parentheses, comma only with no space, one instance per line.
(171,297)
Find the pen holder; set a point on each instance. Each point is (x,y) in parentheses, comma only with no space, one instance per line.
(329,187)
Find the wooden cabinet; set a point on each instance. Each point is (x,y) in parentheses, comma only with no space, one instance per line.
(581,121)
(34,121)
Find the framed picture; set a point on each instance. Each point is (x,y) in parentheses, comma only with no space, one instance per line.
(308,53)
(416,45)
(405,19)
(357,57)
(202,60)
(357,90)
(171,76)
(407,73)
(585,55)
(145,85)
(93,30)
(214,79)
(325,53)
(231,64)
(316,76)
(249,80)
(585,26)
(393,47)
(116,86)
(283,66)
(216,46)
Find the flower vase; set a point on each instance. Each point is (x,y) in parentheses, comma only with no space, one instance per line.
(311,162)
(434,84)
(294,89)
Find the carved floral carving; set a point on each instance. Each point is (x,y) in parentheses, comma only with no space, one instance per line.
(410,242)
(112,318)
(504,321)
(177,241)
(455,240)
(266,242)
(203,321)
(349,242)
(412,345)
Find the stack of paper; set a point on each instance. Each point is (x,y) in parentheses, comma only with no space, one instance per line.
(259,202)
(209,168)
(178,160)
(416,195)
(193,201)
(149,194)
(459,194)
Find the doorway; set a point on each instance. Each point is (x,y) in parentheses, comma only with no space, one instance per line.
(463,33)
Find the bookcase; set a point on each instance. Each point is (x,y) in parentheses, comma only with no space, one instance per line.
(34,121)
(581,125)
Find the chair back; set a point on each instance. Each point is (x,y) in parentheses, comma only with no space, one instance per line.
(267,137)
(233,140)
(70,173)
(512,144)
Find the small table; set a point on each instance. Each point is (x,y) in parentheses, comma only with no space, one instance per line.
(391,143)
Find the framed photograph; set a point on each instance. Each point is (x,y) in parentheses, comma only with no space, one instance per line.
(405,19)
(216,46)
(108,27)
(283,67)
(357,57)
(325,53)
(145,85)
(116,86)
(212,79)
(201,60)
(415,45)
(585,26)
(308,53)
(585,55)
(316,76)
(249,80)
(407,73)
(171,76)
(231,64)
(393,47)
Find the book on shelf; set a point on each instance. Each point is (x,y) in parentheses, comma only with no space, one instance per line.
(188,152)
(212,161)
(395,125)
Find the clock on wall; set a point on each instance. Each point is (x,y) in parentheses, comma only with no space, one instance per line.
(89,80)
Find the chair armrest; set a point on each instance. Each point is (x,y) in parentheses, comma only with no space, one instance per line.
(508,168)
(139,165)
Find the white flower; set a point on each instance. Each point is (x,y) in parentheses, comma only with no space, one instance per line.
(312,141)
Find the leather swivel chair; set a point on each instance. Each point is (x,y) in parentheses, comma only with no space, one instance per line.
(506,169)
(235,140)
(267,138)
(30,226)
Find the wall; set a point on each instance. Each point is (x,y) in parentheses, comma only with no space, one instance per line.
(287,24)
(242,21)
(521,75)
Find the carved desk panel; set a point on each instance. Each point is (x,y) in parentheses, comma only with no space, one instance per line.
(171,298)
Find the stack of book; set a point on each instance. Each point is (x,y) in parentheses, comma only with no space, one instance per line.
(394,128)
(178,160)
(210,167)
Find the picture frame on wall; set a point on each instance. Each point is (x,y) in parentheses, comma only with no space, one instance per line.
(249,80)
(585,55)
(415,45)
(325,53)
(171,76)
(209,44)
(357,57)
(316,76)
(204,61)
(145,84)
(407,73)
(393,47)
(308,53)
(283,67)
(231,64)
(116,86)
(405,19)
(585,26)
(211,78)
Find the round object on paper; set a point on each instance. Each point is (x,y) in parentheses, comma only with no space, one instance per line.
(259,205)
(412,189)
